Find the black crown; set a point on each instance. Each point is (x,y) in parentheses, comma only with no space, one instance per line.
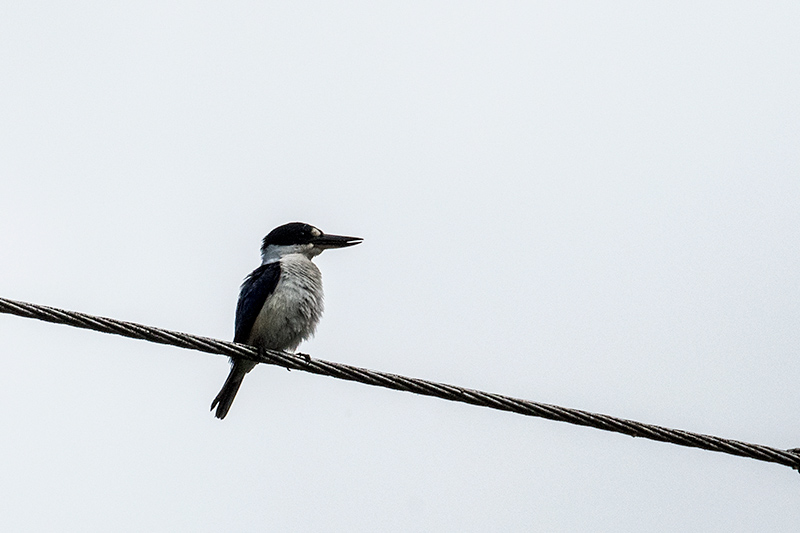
(291,233)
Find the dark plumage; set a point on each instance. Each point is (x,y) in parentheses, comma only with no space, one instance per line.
(291,233)
(254,291)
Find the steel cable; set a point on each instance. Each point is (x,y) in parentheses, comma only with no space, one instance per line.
(392,381)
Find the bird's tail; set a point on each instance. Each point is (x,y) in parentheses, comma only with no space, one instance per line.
(224,399)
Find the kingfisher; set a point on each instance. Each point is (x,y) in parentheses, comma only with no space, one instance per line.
(280,302)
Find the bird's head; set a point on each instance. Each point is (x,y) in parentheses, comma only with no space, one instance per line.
(301,238)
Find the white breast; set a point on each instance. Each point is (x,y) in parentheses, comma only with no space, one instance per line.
(291,313)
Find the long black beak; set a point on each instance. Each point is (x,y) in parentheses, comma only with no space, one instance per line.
(326,241)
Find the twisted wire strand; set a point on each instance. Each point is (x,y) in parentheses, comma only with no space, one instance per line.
(454,393)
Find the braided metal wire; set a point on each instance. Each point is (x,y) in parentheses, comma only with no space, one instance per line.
(392,381)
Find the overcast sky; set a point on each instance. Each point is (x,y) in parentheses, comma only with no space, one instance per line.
(594,205)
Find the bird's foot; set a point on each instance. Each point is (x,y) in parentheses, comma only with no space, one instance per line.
(262,352)
(305,356)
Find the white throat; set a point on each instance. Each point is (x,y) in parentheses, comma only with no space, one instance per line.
(275,252)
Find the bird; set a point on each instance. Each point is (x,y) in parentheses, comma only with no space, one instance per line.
(280,302)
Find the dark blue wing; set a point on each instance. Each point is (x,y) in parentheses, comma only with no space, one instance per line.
(254,292)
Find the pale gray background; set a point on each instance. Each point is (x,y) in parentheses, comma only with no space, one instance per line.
(593,204)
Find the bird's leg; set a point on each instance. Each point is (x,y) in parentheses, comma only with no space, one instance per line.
(263,353)
(305,356)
